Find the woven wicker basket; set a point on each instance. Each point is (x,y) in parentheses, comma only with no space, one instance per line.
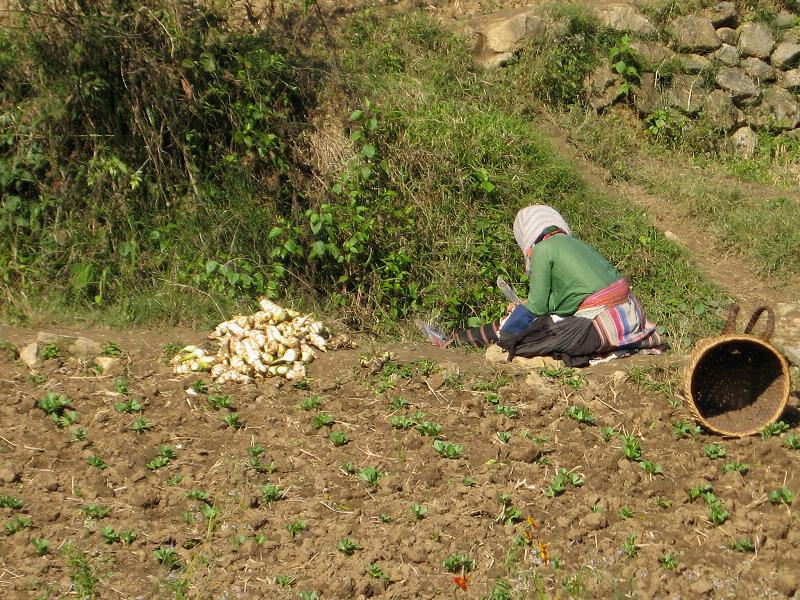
(737,383)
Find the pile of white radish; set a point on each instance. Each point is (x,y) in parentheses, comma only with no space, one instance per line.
(274,342)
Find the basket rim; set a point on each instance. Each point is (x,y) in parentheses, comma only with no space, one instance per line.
(707,344)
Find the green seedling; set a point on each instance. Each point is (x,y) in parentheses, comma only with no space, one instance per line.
(581,414)
(175,479)
(663,501)
(112,350)
(631,447)
(338,438)
(695,492)
(503,436)
(507,411)
(429,428)
(302,384)
(51,352)
(374,570)
(792,441)
(164,457)
(596,508)
(121,386)
(371,475)
(559,484)
(738,467)
(308,595)
(714,451)
(271,493)
(419,511)
(53,404)
(37,379)
(417,416)
(348,468)
(109,535)
(311,403)
(322,420)
(398,403)
(541,439)
(625,513)
(668,561)
(347,546)
(17,524)
(400,422)
(209,512)
(716,509)
(78,434)
(629,546)
(197,494)
(469,481)
(447,449)
(238,540)
(607,433)
(199,386)
(783,495)
(219,402)
(743,545)
(773,429)
(167,557)
(682,429)
(140,425)
(492,399)
(459,563)
(295,527)
(129,406)
(41,546)
(10,502)
(96,511)
(509,515)
(283,581)
(232,420)
(384,518)
(564,376)
(128,537)
(97,462)
(651,468)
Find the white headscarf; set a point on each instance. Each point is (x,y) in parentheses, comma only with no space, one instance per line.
(531,221)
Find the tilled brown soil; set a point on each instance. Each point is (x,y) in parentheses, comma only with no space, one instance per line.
(619,532)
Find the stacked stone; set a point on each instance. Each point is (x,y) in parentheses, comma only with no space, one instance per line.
(755,74)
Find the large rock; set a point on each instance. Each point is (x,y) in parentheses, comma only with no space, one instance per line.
(755,39)
(727,35)
(602,87)
(758,69)
(784,19)
(693,63)
(728,55)
(647,96)
(686,94)
(786,55)
(778,110)
(738,83)
(744,141)
(720,111)
(29,354)
(503,32)
(722,14)
(84,347)
(791,80)
(621,17)
(651,55)
(695,34)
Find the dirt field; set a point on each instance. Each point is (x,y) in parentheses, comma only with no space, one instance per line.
(605,527)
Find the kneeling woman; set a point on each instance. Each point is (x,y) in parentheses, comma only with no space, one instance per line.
(579,306)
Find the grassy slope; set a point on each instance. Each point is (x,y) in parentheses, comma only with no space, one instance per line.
(452,156)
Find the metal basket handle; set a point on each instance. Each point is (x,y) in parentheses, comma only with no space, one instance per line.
(769,326)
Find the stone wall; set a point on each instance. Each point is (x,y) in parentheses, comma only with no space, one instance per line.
(738,73)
